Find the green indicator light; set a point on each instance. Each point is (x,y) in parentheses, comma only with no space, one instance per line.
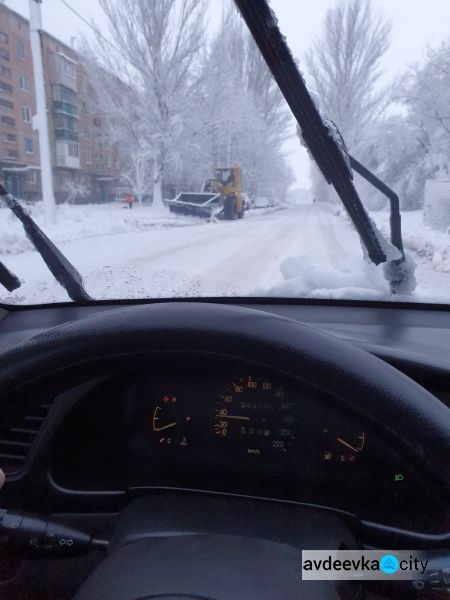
(398,477)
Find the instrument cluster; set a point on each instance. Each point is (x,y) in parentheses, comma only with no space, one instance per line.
(228,428)
(249,415)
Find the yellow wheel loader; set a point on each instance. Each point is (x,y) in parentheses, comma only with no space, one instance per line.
(220,197)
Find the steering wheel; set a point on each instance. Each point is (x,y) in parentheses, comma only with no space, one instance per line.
(383,395)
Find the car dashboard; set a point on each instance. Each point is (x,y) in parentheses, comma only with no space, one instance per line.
(208,425)
(219,426)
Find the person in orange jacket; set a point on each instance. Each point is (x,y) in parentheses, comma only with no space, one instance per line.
(129,200)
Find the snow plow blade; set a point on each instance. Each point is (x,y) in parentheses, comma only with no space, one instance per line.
(202,204)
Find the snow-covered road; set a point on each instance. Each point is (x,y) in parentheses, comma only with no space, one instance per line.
(252,256)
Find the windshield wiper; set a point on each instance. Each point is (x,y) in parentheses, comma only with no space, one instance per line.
(327,147)
(62,270)
(7,279)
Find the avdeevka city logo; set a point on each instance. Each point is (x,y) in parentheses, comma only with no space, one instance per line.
(389,564)
(364,564)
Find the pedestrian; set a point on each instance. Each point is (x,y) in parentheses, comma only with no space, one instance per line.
(129,200)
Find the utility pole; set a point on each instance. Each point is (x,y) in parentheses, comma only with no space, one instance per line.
(40,120)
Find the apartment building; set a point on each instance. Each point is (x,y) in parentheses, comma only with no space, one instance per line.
(84,167)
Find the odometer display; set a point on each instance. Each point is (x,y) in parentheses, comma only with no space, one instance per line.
(255,416)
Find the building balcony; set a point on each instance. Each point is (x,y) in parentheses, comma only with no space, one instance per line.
(71,162)
(66,134)
(60,107)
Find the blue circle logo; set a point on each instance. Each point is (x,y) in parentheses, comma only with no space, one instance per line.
(389,563)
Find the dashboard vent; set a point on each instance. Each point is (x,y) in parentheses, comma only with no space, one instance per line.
(16,442)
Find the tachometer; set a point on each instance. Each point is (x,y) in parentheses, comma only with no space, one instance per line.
(256,416)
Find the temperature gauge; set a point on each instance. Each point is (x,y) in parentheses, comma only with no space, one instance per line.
(170,424)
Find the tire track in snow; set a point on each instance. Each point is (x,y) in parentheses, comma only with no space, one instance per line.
(257,263)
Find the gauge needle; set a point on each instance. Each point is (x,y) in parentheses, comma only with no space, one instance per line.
(344,443)
(168,426)
(233,417)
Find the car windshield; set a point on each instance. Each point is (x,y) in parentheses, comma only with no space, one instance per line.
(151,144)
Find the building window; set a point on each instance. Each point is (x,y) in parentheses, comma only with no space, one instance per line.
(70,69)
(5,88)
(96,122)
(4,54)
(10,138)
(11,154)
(5,71)
(24,83)
(20,49)
(3,38)
(73,149)
(88,158)
(26,114)
(8,121)
(31,177)
(29,145)
(6,104)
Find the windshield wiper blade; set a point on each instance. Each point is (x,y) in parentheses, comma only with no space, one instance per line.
(62,270)
(322,140)
(7,279)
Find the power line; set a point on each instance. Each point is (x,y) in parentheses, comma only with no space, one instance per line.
(75,12)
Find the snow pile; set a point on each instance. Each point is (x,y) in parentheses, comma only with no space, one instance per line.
(305,277)
(84,221)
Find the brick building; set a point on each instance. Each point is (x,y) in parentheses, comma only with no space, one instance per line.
(84,168)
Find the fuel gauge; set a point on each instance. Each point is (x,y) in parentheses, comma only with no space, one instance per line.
(343,447)
(355,445)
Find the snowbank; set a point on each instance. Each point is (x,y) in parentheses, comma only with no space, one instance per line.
(84,221)
(354,278)
(305,277)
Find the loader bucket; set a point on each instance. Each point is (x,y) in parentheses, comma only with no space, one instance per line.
(195,204)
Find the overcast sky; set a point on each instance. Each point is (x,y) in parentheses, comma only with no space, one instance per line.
(415,24)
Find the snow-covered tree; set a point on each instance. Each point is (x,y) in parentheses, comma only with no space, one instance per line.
(344,68)
(396,155)
(158,45)
(246,118)
(426,94)
(414,145)
(277,122)
(177,104)
(75,192)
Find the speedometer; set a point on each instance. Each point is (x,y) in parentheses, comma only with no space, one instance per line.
(256,416)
